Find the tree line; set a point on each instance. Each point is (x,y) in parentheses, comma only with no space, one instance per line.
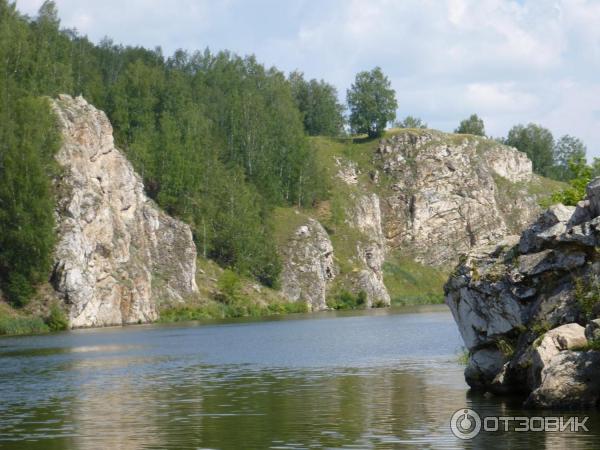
(219,140)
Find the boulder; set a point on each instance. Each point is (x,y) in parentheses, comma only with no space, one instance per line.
(570,380)
(542,295)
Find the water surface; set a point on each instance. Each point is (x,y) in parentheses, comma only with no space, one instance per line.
(372,379)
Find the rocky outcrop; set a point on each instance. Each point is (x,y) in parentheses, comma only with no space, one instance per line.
(423,195)
(118,256)
(308,266)
(527,309)
(447,193)
(365,216)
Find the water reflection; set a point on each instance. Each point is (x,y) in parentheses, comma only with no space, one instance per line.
(369,381)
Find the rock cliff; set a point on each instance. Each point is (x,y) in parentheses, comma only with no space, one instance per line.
(422,194)
(308,266)
(444,193)
(118,255)
(528,309)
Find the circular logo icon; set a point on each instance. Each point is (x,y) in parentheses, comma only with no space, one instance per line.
(465,424)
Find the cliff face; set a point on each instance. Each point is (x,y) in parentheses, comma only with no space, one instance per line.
(528,309)
(308,266)
(442,196)
(118,255)
(421,193)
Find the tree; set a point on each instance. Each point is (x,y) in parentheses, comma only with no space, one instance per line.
(372,103)
(566,150)
(318,103)
(537,143)
(28,141)
(575,192)
(411,122)
(473,125)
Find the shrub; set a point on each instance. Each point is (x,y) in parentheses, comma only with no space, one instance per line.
(347,300)
(57,319)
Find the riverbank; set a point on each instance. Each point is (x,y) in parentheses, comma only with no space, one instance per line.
(222,294)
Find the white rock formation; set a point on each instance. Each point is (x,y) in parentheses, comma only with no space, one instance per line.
(308,266)
(444,198)
(118,255)
(365,216)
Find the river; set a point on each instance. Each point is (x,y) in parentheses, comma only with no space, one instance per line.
(369,379)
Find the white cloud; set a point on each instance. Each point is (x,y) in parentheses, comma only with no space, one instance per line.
(500,97)
(510,61)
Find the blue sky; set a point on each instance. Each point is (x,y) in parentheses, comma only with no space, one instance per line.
(509,61)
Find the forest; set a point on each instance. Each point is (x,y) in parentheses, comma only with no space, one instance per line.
(219,140)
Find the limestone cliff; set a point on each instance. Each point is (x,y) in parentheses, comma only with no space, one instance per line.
(418,194)
(308,266)
(442,196)
(528,309)
(118,255)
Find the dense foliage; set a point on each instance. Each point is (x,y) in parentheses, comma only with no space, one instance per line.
(372,103)
(567,153)
(411,122)
(558,159)
(537,143)
(218,139)
(28,141)
(575,192)
(318,103)
(472,125)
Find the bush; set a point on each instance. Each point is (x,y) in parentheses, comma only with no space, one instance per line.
(18,289)
(57,319)
(229,285)
(347,300)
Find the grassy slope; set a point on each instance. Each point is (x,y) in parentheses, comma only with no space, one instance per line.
(42,314)
(224,294)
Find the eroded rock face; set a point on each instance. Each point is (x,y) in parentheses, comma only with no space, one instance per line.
(118,255)
(308,266)
(444,199)
(535,300)
(365,216)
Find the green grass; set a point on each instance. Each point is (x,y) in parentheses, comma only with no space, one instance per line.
(14,321)
(593,345)
(587,294)
(240,308)
(412,283)
(13,325)
(225,294)
(463,357)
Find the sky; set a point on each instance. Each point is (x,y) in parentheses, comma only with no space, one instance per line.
(508,61)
